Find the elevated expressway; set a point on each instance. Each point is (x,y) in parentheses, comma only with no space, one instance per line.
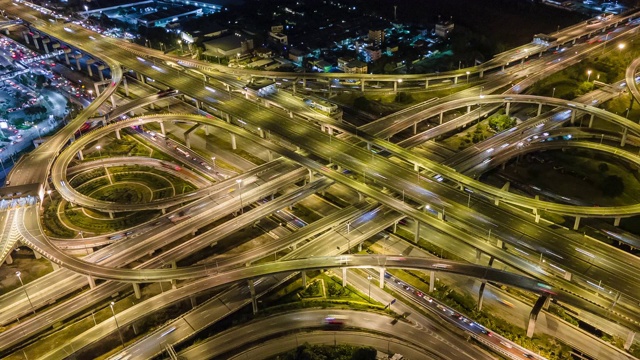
(385,199)
(511,198)
(630,78)
(569,34)
(177,253)
(261,331)
(273,130)
(64,281)
(165,76)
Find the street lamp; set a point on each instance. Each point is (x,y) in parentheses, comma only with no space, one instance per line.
(116,320)
(213,161)
(49,193)
(99,152)
(90,94)
(553,93)
(621,46)
(25,292)
(39,137)
(239,181)
(468,72)
(369,277)
(180,43)
(481,94)
(588,75)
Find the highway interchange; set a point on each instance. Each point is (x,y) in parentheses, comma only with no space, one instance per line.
(270,127)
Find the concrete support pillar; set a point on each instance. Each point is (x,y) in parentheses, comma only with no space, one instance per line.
(416,167)
(395,86)
(270,155)
(441,215)
(478,256)
(126,86)
(118,134)
(629,341)
(491,259)
(26,37)
(539,109)
(359,247)
(136,290)
(481,74)
(468,109)
(80,155)
(254,301)
(110,214)
(395,227)
(507,108)
(344,277)
(537,219)
(37,255)
(624,137)
(616,221)
(162,128)
(591,120)
(100,74)
(416,236)
(95,85)
(576,223)
(54,265)
(233,141)
(573,117)
(535,311)
(499,243)
(36,36)
(481,295)
(432,281)
(194,301)
(92,281)
(415,128)
(294,88)
(362,85)
(441,117)
(426,84)
(455,80)
(369,146)
(303,274)
(382,271)
(113,101)
(66,58)
(89,69)
(46,41)
(9,259)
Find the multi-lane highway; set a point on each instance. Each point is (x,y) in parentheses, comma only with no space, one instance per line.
(281,127)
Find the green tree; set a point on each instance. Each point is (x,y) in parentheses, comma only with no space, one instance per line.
(603,167)
(364,353)
(612,186)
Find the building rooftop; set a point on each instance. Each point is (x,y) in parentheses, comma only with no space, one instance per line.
(228,42)
(167,13)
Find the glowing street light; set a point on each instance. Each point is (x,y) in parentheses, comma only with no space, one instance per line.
(468,72)
(588,75)
(621,46)
(239,181)
(38,129)
(116,320)
(18,273)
